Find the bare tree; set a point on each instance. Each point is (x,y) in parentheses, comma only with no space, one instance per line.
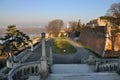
(74,28)
(55,26)
(114,10)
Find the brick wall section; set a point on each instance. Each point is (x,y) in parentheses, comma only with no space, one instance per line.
(94,40)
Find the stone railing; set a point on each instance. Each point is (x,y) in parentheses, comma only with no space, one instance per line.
(104,61)
(23,71)
(26,53)
(108,67)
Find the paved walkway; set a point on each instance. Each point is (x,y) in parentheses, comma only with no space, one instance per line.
(36,54)
(61,58)
(81,54)
(81,51)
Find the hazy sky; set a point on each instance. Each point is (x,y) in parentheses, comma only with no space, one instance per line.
(40,12)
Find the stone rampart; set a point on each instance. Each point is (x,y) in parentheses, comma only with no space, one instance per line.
(93,40)
(117,42)
(99,39)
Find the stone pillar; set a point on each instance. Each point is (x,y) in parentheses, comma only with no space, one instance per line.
(97,67)
(118,69)
(43,47)
(31,47)
(43,60)
(51,57)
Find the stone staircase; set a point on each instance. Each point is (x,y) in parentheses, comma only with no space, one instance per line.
(70,68)
(78,72)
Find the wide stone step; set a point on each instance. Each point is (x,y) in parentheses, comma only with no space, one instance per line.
(71,68)
(80,76)
(84,76)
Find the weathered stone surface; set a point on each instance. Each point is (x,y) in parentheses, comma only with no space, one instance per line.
(117,42)
(100,41)
(76,72)
(93,40)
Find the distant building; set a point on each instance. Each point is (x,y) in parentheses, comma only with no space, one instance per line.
(62,33)
(92,23)
(101,21)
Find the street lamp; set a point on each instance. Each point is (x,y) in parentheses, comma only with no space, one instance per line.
(43,35)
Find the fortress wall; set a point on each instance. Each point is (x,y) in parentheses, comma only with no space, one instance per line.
(117,42)
(93,40)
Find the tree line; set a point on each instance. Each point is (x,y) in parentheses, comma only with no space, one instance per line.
(55,26)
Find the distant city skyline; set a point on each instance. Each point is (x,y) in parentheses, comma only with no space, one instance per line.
(39,12)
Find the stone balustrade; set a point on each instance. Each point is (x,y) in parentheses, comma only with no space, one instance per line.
(23,71)
(23,55)
(108,67)
(27,55)
(104,61)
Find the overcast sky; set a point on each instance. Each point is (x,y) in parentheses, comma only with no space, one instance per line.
(40,12)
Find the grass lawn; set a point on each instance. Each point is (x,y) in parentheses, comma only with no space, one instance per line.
(62,46)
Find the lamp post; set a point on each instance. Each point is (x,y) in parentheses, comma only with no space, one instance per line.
(43,60)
